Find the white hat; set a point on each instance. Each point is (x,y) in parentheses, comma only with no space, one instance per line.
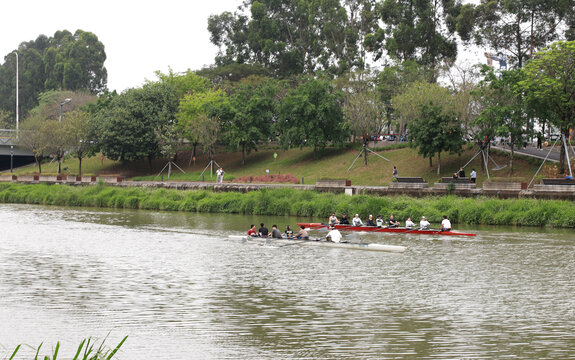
(423,217)
(356,214)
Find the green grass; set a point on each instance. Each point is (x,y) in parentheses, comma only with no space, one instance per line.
(304,164)
(291,202)
(86,351)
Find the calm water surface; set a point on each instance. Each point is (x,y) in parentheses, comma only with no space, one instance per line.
(181,289)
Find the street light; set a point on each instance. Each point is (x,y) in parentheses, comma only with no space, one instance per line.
(11,158)
(62,104)
(17,105)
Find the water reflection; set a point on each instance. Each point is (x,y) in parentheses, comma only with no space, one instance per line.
(181,289)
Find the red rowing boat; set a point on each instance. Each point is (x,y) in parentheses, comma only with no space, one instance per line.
(399,230)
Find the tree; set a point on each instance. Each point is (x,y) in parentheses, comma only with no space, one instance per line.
(288,37)
(361,105)
(423,31)
(79,136)
(409,104)
(128,126)
(435,131)
(549,87)
(199,118)
(519,27)
(250,113)
(394,80)
(504,112)
(65,61)
(33,138)
(311,115)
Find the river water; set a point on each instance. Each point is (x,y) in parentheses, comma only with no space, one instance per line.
(181,289)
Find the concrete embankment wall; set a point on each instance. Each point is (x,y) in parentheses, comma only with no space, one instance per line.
(498,190)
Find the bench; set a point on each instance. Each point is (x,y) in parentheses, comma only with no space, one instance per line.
(558,181)
(410,180)
(464,180)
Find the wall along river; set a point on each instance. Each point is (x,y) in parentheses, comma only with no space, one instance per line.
(181,289)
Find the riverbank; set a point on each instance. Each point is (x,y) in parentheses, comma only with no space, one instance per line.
(303,203)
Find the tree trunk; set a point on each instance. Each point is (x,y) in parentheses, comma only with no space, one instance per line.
(563,156)
(365,154)
(38,163)
(511,159)
(438,163)
(150,162)
(431,161)
(79,166)
(243,154)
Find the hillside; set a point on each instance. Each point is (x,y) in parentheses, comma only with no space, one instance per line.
(301,163)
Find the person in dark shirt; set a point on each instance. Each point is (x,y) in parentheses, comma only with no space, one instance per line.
(264,232)
(289,232)
(344,220)
(392,222)
(461,173)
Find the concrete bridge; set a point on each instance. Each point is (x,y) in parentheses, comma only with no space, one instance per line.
(12,154)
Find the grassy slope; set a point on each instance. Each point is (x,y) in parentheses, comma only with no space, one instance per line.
(333,163)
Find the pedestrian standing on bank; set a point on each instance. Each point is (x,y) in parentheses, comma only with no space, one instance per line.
(473,176)
(220,175)
(395,172)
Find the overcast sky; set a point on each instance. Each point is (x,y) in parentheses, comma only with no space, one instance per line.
(140,36)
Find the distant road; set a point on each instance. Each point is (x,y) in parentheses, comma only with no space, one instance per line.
(534,152)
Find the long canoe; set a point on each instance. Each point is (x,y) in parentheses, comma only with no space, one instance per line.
(398,230)
(322,243)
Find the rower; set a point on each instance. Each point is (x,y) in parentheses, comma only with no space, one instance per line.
(392,223)
(302,234)
(276,234)
(344,220)
(424,224)
(370,221)
(408,223)
(264,232)
(288,233)
(252,231)
(357,221)
(334,235)
(379,221)
(445,224)
(333,219)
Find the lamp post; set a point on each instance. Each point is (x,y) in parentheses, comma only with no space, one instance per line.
(17,96)
(11,158)
(61,105)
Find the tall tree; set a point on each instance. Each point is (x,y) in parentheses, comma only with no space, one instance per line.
(79,136)
(65,61)
(288,37)
(549,86)
(504,111)
(519,28)
(361,105)
(311,115)
(424,31)
(246,121)
(127,128)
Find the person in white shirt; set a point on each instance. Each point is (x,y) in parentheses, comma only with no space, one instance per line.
(356,220)
(424,224)
(220,175)
(379,221)
(445,224)
(473,176)
(334,235)
(408,223)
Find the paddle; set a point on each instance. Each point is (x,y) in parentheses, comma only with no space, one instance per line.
(302,241)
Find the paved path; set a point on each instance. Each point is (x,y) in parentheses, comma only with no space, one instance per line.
(532,151)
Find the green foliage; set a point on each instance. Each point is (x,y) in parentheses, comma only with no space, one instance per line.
(311,115)
(86,351)
(65,61)
(128,128)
